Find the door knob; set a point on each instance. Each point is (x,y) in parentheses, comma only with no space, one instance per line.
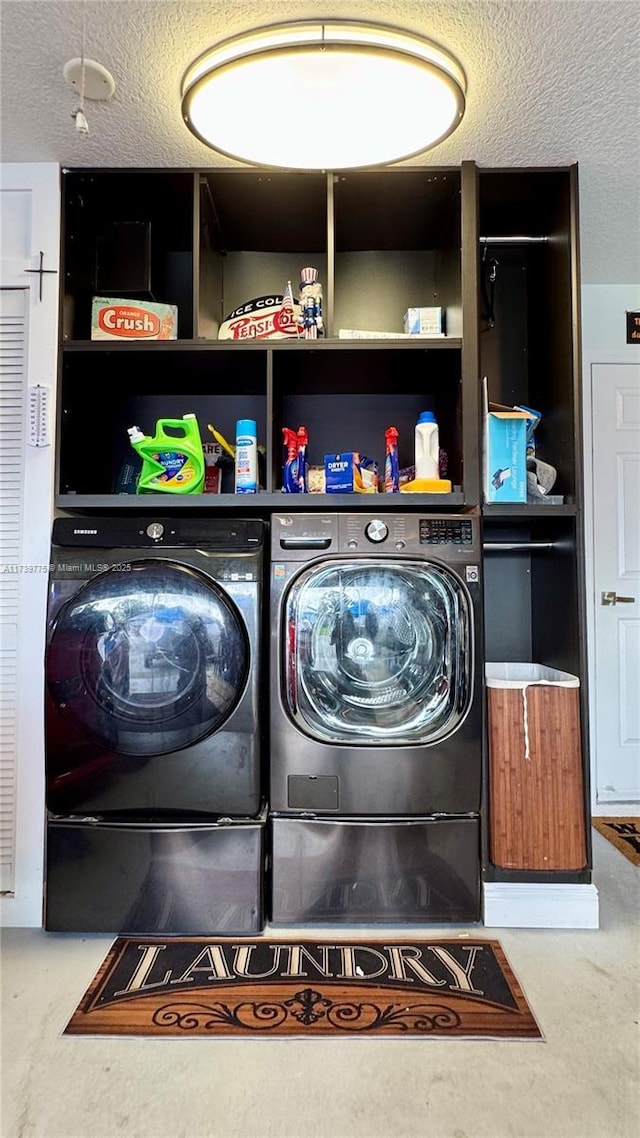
(612,598)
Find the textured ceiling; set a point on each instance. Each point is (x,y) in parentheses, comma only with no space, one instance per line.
(550,82)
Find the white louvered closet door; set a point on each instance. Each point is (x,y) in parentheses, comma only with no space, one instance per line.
(29,227)
(13,375)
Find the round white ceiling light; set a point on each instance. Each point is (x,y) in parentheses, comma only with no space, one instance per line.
(326,95)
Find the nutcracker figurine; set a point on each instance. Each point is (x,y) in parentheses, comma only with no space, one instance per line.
(311,304)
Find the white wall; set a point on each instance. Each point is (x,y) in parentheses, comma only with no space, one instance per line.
(604,326)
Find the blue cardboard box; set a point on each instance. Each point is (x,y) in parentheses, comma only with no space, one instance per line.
(506,462)
(505,452)
(350,473)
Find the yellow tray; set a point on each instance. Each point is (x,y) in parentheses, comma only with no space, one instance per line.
(427,486)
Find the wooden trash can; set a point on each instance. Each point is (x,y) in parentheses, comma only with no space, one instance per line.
(536,795)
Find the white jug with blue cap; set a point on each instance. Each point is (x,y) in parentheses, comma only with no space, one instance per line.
(427,446)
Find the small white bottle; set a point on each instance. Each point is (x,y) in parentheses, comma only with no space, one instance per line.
(427,446)
(246,467)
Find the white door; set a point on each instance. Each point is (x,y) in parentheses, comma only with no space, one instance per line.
(29,224)
(616,490)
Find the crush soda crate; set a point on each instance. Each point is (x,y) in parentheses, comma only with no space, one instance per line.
(536,795)
(113,318)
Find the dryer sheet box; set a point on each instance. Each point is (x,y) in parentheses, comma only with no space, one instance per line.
(423,322)
(505,452)
(350,473)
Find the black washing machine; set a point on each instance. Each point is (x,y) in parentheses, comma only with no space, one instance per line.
(376,717)
(155,821)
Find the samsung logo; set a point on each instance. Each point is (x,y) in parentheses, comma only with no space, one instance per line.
(85,531)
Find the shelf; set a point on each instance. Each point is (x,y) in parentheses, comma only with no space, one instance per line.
(300,503)
(161,346)
(415,343)
(537,876)
(412,344)
(526,510)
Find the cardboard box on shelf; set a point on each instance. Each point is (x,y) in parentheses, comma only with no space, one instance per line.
(114,318)
(423,321)
(505,451)
(212,470)
(350,473)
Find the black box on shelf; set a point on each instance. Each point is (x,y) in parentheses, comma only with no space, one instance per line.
(123,259)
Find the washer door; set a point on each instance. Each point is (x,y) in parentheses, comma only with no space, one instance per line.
(378,651)
(149,660)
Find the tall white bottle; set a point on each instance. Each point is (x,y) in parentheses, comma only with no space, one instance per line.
(427,446)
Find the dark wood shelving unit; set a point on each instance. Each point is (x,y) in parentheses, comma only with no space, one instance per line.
(382,241)
(528,330)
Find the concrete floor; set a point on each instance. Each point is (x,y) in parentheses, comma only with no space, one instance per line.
(582,1082)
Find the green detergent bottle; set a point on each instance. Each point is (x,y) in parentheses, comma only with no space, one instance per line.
(171,463)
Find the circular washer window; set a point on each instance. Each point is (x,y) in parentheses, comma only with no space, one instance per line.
(378,651)
(148,660)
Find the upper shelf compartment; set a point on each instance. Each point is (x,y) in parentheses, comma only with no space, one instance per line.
(211,242)
(128,235)
(530,203)
(257,231)
(382,242)
(397,246)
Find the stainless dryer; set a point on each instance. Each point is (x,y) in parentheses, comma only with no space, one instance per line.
(375,716)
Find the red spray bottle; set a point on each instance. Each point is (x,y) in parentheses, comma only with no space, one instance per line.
(391,467)
(303,465)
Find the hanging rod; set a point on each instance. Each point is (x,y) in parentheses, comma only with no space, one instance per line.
(504,546)
(512,240)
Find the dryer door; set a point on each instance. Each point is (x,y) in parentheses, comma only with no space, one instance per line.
(378,651)
(148,660)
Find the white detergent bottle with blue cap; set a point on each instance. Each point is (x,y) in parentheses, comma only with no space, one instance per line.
(246,473)
(427,446)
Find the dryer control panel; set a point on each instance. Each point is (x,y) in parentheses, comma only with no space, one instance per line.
(303,537)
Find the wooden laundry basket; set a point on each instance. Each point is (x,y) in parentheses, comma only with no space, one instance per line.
(536,798)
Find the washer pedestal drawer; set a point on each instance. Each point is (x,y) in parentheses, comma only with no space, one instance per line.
(170,880)
(361,870)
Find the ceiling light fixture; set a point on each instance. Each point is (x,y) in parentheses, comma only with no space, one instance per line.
(326,95)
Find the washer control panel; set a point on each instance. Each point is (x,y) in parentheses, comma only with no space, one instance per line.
(305,537)
(446,531)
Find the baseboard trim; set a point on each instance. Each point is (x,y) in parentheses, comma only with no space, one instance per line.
(626,809)
(510,905)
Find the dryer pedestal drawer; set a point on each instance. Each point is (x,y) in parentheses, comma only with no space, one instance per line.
(171,880)
(359,870)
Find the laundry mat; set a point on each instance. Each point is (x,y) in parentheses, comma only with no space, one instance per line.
(269,988)
(623,833)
